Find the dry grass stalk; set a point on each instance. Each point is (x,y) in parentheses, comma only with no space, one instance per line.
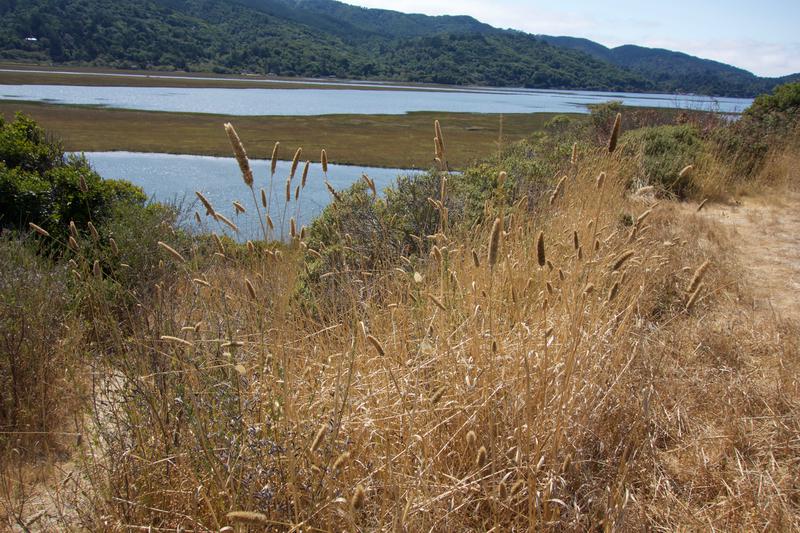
(702,204)
(332,191)
(274,158)
(557,190)
(247,517)
(240,154)
(172,251)
(250,289)
(612,141)
(295,163)
(377,345)
(225,220)
(601,179)
(540,255)
(305,174)
(501,179)
(612,292)
(93,232)
(219,244)
(73,244)
(697,277)
(203,200)
(693,297)
(324,159)
(318,438)
(621,260)
(358,498)
(480,458)
(494,241)
(177,340)
(38,229)
(341,461)
(238,208)
(437,302)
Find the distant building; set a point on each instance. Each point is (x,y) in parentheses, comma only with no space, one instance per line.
(31,39)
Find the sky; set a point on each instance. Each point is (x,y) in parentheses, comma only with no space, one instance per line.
(760,36)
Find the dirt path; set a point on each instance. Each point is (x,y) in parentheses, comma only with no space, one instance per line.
(767,236)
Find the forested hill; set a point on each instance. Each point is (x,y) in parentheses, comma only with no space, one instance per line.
(328,38)
(674,71)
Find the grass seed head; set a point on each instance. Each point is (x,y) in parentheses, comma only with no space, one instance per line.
(540,255)
(480,459)
(247,517)
(318,438)
(612,141)
(305,174)
(472,438)
(358,498)
(494,241)
(341,461)
(93,231)
(274,158)
(621,259)
(697,277)
(38,229)
(172,251)
(295,163)
(240,154)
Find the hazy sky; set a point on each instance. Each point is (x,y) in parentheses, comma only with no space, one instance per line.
(761,36)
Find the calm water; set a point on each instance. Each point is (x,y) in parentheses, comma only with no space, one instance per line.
(227,101)
(175,178)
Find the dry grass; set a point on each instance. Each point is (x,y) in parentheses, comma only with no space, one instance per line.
(562,384)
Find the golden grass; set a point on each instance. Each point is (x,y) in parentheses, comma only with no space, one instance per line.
(563,387)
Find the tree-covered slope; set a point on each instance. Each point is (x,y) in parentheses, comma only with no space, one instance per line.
(329,38)
(675,71)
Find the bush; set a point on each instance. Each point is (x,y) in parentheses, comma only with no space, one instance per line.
(39,183)
(765,126)
(663,152)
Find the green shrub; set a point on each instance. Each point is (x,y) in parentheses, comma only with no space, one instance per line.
(766,125)
(41,184)
(662,152)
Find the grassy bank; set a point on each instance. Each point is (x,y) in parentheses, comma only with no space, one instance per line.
(373,140)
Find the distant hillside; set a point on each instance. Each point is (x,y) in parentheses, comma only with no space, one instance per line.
(675,71)
(329,38)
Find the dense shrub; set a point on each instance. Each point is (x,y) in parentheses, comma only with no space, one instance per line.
(662,153)
(765,126)
(39,183)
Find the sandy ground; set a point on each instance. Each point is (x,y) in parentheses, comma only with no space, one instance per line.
(766,233)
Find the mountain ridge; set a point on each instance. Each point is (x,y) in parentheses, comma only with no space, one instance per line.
(319,38)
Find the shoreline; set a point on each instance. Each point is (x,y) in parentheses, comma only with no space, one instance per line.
(34,74)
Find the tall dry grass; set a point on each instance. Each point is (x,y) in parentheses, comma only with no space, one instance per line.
(567,364)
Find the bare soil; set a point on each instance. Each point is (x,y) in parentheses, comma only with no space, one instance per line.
(766,236)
